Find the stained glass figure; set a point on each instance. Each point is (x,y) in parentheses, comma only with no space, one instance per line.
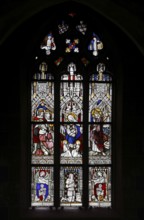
(42,100)
(42,186)
(100,102)
(82,27)
(71,68)
(95,45)
(43,73)
(100,144)
(100,186)
(72,46)
(48,44)
(63,27)
(42,143)
(101,74)
(71,102)
(71,143)
(71,186)
(58,61)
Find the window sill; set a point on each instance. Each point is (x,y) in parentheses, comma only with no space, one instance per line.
(70,212)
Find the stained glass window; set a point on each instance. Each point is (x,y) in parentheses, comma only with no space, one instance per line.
(71,116)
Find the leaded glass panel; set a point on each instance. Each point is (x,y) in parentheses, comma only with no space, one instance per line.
(100,102)
(101,74)
(42,101)
(72,75)
(100,144)
(48,44)
(71,143)
(42,186)
(71,186)
(71,102)
(100,186)
(42,143)
(95,44)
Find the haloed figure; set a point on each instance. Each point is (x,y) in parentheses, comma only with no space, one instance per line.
(42,187)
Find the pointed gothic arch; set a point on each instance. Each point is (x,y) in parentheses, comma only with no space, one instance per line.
(85,69)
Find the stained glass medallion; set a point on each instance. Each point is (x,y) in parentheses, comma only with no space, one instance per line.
(95,44)
(48,43)
(42,186)
(72,45)
(71,186)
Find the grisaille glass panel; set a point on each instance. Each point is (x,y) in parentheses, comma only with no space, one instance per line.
(42,101)
(100,144)
(42,143)
(42,186)
(71,190)
(71,102)
(63,27)
(100,186)
(71,143)
(100,102)
(81,27)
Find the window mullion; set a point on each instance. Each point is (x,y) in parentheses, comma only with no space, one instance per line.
(57,144)
(85,141)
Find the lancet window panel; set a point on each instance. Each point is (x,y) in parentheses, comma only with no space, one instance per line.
(71,118)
